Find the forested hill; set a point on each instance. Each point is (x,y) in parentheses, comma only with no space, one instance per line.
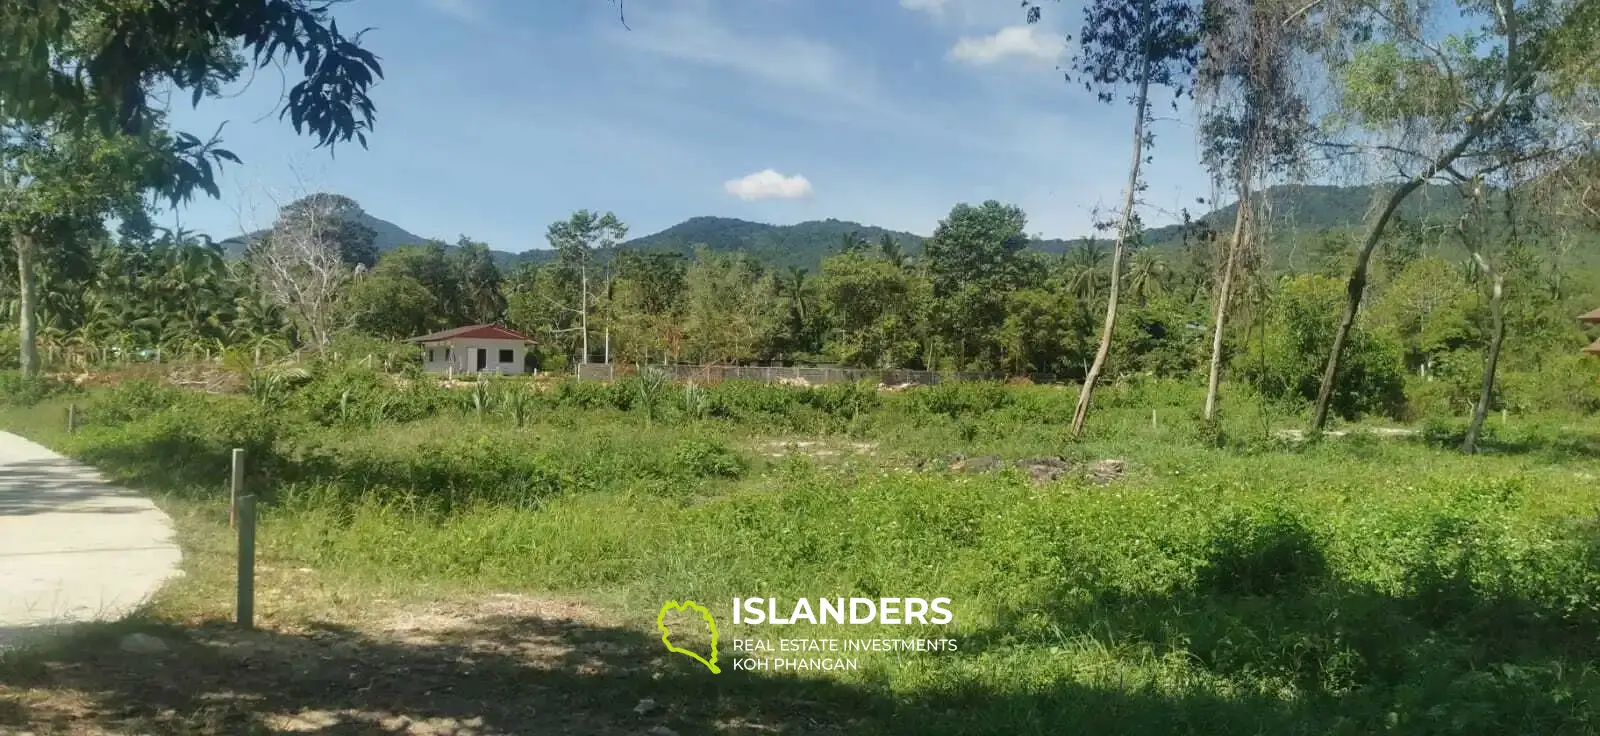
(805,244)
(386,236)
(1313,208)
(1294,208)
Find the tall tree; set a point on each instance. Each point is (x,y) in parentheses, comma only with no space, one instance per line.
(731,309)
(873,308)
(57,184)
(340,220)
(1151,43)
(479,278)
(1253,121)
(301,266)
(576,240)
(95,62)
(1433,104)
(1471,230)
(429,265)
(973,261)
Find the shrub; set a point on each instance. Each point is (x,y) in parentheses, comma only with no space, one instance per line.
(132,400)
(1286,366)
(17,390)
(591,395)
(959,399)
(696,403)
(343,395)
(844,401)
(751,400)
(708,459)
(1260,552)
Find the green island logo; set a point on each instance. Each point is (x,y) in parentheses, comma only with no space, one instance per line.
(661,623)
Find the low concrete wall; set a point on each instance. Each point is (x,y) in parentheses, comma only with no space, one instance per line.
(782,374)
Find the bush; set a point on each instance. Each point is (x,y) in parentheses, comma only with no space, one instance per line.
(959,399)
(131,401)
(1260,552)
(844,401)
(17,390)
(590,395)
(1286,366)
(707,459)
(751,400)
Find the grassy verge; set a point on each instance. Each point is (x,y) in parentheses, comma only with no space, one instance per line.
(1369,583)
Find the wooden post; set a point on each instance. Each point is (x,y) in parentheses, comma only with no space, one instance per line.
(246,603)
(235,487)
(1153,424)
(72,418)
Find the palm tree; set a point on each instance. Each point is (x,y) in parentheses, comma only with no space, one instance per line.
(890,249)
(1147,276)
(1084,270)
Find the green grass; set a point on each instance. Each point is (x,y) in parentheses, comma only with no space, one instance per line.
(1355,585)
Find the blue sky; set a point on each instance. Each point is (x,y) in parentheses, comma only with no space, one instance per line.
(497,117)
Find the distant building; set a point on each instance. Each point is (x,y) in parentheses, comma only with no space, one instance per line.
(474,349)
(1592,318)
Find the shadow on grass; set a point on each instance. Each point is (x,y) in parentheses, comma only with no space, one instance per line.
(1550,444)
(531,675)
(1445,659)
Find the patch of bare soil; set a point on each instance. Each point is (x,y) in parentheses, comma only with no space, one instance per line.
(1040,470)
(1299,435)
(505,664)
(816,448)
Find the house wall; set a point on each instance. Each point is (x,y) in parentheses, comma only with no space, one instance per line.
(464,356)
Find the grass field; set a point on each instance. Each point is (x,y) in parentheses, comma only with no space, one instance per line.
(492,560)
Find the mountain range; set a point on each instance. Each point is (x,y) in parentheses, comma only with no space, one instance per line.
(1306,208)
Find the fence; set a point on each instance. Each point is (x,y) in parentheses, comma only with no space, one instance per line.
(778,374)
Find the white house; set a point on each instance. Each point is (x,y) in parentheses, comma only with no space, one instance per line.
(474,349)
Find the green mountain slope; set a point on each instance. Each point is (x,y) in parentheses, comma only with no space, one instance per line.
(387,236)
(1303,208)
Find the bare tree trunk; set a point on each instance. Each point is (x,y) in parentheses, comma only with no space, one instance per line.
(27,308)
(1497,311)
(1224,297)
(1141,106)
(1358,275)
(583,301)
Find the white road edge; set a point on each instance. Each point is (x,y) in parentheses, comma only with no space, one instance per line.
(73,548)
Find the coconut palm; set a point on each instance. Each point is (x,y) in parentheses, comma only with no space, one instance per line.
(1084,270)
(1147,276)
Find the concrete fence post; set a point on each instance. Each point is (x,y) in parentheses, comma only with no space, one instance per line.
(235,486)
(72,418)
(245,604)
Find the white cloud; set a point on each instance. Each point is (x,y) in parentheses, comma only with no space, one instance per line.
(769,184)
(690,33)
(1021,41)
(468,11)
(931,7)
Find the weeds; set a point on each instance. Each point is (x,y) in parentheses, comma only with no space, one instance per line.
(1379,584)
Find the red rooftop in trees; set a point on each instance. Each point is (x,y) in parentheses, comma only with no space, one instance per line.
(480,332)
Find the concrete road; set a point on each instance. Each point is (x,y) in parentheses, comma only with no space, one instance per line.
(72,547)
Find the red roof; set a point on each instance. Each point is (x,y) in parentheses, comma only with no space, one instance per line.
(481,332)
(1592,318)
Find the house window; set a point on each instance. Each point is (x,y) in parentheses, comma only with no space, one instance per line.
(430,355)
(447,353)
(505,356)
